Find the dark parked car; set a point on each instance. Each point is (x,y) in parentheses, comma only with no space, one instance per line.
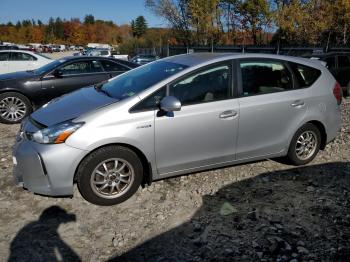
(339,65)
(144,59)
(22,92)
(8,47)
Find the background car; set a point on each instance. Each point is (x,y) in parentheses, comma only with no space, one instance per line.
(9,47)
(46,49)
(20,60)
(22,92)
(56,48)
(142,59)
(99,52)
(339,65)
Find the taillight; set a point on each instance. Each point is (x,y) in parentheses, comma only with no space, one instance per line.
(338,93)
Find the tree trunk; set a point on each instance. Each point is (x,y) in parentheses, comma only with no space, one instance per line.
(344,39)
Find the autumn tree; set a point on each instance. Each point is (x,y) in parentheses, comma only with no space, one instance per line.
(302,22)
(255,15)
(177,14)
(139,26)
(340,20)
(205,20)
(89,19)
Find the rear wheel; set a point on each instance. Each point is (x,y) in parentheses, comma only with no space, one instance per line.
(305,145)
(14,107)
(109,175)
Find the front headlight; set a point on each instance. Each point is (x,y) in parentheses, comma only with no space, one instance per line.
(56,134)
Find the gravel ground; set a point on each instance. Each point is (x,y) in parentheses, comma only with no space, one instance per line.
(263,211)
(58,55)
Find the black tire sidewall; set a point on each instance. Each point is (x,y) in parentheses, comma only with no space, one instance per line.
(24,99)
(91,161)
(292,157)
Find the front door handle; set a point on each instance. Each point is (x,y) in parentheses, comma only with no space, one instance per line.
(298,103)
(228,113)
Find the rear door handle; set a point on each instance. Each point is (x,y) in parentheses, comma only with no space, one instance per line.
(228,113)
(298,103)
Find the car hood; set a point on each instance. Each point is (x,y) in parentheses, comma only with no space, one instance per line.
(18,75)
(71,106)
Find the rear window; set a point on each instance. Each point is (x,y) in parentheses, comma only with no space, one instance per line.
(305,75)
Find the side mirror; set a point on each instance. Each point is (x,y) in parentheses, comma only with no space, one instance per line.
(58,73)
(170,104)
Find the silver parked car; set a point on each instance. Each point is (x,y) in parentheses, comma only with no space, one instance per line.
(174,116)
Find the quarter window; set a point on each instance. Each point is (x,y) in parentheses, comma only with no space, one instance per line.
(82,67)
(305,75)
(151,102)
(264,77)
(210,84)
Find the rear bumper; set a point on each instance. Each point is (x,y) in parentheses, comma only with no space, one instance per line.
(45,169)
(334,126)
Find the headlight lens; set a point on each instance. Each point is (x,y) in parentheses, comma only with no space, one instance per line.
(56,134)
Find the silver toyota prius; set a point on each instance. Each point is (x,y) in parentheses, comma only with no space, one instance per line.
(174,116)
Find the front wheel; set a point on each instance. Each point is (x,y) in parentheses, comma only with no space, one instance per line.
(109,175)
(305,145)
(14,107)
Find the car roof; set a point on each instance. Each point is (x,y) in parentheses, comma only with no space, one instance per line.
(195,59)
(72,58)
(87,58)
(329,54)
(18,50)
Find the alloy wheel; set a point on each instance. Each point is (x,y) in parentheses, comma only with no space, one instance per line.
(12,108)
(112,178)
(306,145)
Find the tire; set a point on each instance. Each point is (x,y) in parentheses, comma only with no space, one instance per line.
(295,151)
(91,182)
(14,107)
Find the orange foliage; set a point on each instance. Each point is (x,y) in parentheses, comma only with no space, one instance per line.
(75,32)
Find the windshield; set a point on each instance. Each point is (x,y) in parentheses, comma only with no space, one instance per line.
(141,78)
(48,67)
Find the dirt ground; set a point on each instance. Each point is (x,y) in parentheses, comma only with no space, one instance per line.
(263,211)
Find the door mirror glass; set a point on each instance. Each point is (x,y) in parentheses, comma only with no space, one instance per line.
(170,104)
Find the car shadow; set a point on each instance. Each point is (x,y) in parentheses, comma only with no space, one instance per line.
(302,213)
(40,241)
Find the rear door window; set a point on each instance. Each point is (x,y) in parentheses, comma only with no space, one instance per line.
(264,77)
(305,75)
(18,56)
(113,66)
